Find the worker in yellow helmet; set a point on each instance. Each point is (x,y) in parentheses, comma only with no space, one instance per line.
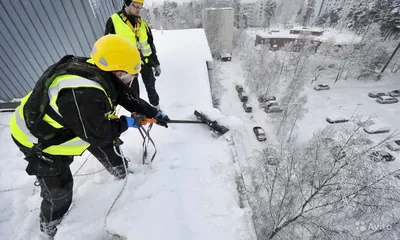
(128,23)
(71,109)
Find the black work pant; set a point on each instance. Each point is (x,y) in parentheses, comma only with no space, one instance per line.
(149,82)
(56,181)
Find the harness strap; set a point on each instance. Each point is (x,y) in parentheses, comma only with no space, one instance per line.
(135,30)
(146,136)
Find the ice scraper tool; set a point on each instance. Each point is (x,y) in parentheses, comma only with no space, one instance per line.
(214,125)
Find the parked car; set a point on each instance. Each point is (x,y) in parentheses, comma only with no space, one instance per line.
(376,128)
(260,134)
(226,57)
(375,94)
(394,93)
(243,96)
(239,88)
(268,104)
(272,109)
(266,99)
(379,156)
(320,87)
(336,119)
(247,107)
(394,145)
(386,99)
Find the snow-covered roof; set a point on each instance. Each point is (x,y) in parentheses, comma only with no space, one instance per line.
(222,8)
(377,127)
(337,117)
(333,35)
(308,29)
(386,97)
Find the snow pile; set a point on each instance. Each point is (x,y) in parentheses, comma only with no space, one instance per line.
(230,122)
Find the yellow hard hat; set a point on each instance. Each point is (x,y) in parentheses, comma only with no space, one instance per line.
(114,52)
(128,2)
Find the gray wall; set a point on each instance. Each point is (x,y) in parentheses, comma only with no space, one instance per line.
(36,33)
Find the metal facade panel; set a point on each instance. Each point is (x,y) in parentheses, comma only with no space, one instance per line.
(36,34)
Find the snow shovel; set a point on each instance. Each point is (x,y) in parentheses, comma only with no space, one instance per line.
(204,120)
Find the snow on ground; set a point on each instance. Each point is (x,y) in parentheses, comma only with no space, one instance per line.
(350,99)
(345,98)
(189,191)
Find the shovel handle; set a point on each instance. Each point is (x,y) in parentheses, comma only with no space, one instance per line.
(186,121)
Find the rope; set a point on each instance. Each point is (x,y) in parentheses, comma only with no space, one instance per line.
(124,160)
(147,137)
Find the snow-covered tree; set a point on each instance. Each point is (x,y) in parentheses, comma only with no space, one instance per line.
(323,189)
(299,14)
(334,16)
(269,13)
(322,19)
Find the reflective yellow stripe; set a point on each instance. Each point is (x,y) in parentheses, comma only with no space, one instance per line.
(75,146)
(51,121)
(21,133)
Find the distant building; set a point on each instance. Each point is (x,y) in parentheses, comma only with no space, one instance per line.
(314,32)
(218,26)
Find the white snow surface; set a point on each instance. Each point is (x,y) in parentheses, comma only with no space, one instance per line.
(189,191)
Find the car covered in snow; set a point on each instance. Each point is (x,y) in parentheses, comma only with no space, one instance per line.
(267,104)
(260,134)
(336,119)
(225,57)
(380,156)
(320,87)
(393,145)
(243,96)
(394,93)
(386,100)
(247,107)
(266,98)
(375,94)
(239,88)
(377,128)
(273,109)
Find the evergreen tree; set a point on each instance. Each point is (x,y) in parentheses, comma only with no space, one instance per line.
(269,12)
(334,16)
(299,14)
(309,12)
(322,19)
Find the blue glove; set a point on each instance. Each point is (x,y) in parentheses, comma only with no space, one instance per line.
(135,121)
(162,119)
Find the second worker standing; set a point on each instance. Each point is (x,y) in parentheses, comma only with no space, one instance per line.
(128,23)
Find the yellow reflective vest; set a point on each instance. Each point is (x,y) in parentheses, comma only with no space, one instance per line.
(136,33)
(75,146)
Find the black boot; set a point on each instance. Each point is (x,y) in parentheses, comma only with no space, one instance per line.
(49,228)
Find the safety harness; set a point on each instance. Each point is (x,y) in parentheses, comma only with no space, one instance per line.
(38,103)
(135,30)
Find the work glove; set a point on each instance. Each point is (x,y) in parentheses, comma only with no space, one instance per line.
(135,121)
(157,70)
(162,119)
